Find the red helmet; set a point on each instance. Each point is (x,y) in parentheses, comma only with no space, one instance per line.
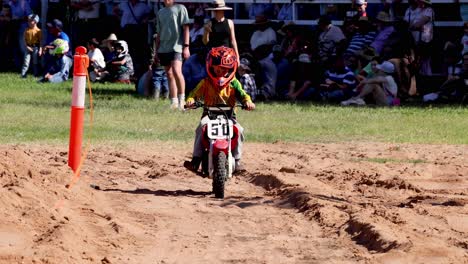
(223,57)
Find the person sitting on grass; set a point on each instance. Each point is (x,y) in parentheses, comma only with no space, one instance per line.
(304,80)
(455,88)
(120,68)
(339,81)
(382,87)
(96,59)
(61,64)
(220,87)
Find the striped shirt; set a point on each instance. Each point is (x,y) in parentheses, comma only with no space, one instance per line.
(346,77)
(360,41)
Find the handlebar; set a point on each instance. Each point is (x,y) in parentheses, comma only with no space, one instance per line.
(199,104)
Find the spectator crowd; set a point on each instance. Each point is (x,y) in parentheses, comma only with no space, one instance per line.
(382,53)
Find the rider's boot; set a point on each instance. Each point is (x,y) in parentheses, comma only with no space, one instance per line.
(194,164)
(239,167)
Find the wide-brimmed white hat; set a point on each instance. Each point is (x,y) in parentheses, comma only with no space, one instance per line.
(218,5)
(111,37)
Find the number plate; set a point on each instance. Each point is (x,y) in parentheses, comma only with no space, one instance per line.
(218,129)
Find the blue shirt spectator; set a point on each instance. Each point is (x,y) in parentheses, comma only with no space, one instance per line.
(194,70)
(60,70)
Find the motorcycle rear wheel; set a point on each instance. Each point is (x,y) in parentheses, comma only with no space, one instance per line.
(220,174)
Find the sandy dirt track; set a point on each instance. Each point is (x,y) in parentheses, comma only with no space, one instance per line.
(312,203)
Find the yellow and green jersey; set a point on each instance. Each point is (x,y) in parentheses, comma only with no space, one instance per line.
(212,95)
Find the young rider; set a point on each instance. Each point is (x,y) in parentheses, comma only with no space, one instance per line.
(220,87)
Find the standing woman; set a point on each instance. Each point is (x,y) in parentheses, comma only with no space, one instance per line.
(219,31)
(424,26)
(172,46)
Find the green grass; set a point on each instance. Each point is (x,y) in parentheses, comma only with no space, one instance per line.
(34,112)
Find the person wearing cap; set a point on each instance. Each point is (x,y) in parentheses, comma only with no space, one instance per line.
(172,46)
(361,6)
(382,87)
(32,38)
(107,46)
(59,70)
(384,30)
(264,34)
(219,31)
(55,30)
(247,79)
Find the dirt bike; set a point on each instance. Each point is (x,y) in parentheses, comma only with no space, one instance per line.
(219,137)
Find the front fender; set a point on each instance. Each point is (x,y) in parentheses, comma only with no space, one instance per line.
(220,145)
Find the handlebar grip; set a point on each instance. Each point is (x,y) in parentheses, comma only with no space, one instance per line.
(242,106)
(195,105)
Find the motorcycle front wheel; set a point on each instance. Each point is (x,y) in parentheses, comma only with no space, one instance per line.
(220,174)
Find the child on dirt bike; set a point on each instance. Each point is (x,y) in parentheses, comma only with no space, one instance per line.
(219,88)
